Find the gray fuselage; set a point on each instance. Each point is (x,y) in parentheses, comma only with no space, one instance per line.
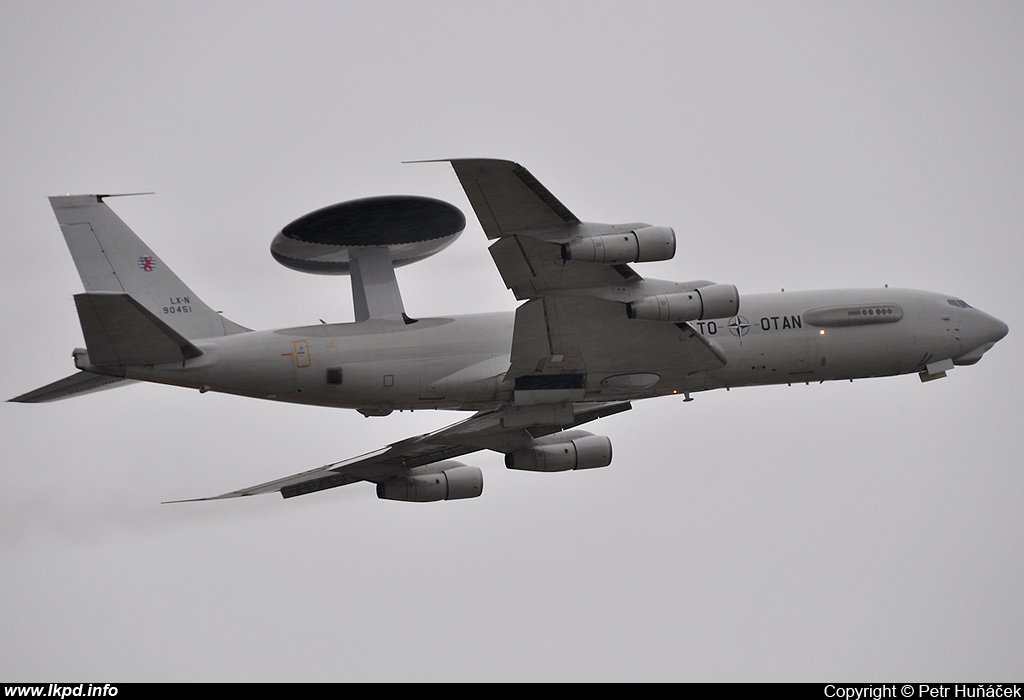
(460,362)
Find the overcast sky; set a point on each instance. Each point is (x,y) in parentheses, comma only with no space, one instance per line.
(860,531)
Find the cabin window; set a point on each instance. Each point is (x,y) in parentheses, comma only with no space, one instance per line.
(334,375)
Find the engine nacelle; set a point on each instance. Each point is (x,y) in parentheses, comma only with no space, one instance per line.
(550,454)
(642,245)
(444,481)
(713,301)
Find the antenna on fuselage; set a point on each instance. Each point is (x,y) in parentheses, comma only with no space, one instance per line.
(367,239)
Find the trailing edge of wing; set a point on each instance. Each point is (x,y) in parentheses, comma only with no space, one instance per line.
(483,431)
(76,385)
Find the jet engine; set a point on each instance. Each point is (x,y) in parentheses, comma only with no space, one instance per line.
(713,301)
(576,449)
(444,481)
(640,245)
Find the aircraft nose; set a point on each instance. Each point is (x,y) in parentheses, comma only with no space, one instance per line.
(997,329)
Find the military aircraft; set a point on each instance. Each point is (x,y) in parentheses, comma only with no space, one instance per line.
(591,335)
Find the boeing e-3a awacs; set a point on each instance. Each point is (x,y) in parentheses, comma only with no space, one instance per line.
(590,336)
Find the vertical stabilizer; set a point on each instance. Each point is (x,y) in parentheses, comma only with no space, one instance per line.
(111,258)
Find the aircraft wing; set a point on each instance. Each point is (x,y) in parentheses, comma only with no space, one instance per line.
(508,199)
(484,430)
(514,207)
(573,328)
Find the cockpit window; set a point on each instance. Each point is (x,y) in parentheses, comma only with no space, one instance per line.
(958,302)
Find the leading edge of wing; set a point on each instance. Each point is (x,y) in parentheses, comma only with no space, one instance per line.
(506,198)
(482,431)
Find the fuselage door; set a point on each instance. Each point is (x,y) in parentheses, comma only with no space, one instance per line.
(301,353)
(803,355)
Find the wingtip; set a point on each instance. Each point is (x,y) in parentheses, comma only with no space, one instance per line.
(101,197)
(206,498)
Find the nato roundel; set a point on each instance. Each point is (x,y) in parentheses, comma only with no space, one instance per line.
(412,228)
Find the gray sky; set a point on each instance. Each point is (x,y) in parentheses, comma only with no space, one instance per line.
(864,531)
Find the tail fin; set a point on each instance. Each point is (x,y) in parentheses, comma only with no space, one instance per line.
(111,258)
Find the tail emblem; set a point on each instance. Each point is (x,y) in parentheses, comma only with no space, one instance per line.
(147,263)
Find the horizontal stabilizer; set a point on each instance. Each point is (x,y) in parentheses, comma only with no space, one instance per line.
(76,385)
(119,331)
